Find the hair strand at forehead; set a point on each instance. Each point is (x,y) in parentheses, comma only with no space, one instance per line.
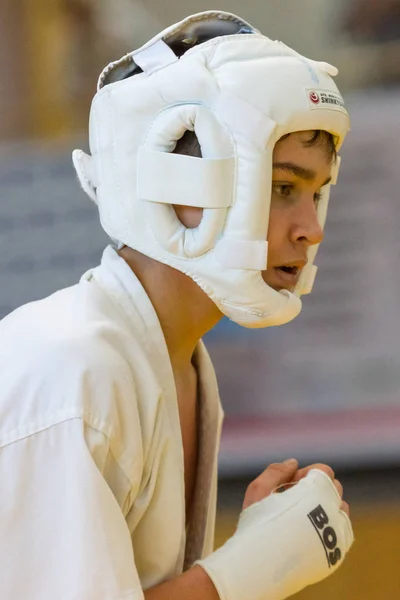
(319,137)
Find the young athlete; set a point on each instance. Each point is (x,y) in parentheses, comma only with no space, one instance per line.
(212,152)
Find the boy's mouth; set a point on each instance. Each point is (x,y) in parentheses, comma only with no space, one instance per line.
(290,270)
(288,275)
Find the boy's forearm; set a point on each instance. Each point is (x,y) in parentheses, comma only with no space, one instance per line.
(194,584)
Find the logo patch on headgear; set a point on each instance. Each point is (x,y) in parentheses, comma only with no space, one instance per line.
(325,99)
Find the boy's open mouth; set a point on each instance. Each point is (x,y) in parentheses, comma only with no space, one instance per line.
(289,270)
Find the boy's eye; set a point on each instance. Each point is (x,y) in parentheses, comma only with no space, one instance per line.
(317,197)
(286,189)
(283,189)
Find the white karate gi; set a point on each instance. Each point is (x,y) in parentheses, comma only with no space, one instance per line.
(92,503)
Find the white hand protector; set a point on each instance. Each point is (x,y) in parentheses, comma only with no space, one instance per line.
(283,543)
(240,92)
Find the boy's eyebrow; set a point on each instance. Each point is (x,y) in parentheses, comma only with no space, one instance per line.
(301,172)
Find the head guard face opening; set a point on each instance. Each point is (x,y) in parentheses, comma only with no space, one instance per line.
(240,92)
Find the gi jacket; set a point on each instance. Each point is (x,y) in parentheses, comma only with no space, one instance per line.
(92,502)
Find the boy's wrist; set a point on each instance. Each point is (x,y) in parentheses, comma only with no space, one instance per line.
(194,584)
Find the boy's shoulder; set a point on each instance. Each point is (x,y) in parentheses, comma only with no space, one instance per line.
(66,327)
(65,357)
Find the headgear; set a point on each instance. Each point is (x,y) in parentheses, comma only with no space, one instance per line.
(239,92)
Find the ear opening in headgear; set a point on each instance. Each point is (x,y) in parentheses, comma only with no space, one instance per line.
(167,178)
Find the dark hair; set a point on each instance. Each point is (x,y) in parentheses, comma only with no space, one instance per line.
(189,144)
(321,138)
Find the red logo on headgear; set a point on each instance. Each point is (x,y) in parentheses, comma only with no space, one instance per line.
(314,97)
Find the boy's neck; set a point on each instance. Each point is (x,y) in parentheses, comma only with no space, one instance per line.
(185,312)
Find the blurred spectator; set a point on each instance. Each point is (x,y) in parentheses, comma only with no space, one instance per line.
(375,25)
(80,58)
(374,20)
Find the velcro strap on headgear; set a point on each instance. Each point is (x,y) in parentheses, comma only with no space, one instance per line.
(185,180)
(155,57)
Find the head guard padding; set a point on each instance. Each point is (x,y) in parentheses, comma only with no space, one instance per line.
(240,93)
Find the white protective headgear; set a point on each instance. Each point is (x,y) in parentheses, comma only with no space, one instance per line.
(240,92)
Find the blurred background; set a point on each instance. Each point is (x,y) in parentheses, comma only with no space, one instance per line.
(324,388)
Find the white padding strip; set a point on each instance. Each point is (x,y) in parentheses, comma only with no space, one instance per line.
(307,279)
(242,254)
(154,57)
(244,118)
(84,167)
(185,180)
(335,170)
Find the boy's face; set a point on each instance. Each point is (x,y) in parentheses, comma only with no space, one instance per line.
(299,173)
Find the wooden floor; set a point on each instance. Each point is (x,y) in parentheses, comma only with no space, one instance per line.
(372,568)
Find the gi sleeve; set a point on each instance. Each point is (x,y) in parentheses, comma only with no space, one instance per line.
(63,535)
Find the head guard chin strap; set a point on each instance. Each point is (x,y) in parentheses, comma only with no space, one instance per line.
(240,92)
